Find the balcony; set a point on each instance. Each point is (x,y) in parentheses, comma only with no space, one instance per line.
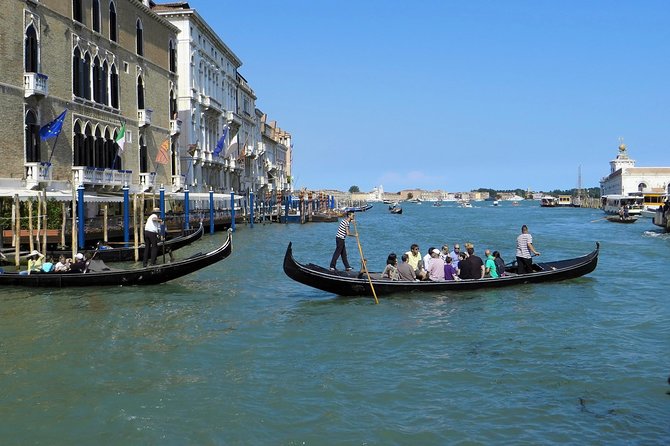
(211,104)
(144,117)
(37,173)
(35,84)
(175,127)
(98,176)
(231,117)
(147,181)
(233,165)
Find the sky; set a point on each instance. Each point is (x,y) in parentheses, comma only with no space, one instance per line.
(456,95)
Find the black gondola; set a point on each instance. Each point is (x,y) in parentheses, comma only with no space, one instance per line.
(101,275)
(125,254)
(345,283)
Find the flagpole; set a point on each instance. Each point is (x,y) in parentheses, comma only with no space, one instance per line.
(53,148)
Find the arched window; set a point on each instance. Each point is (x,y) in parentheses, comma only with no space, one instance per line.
(97,80)
(172,50)
(108,151)
(77,11)
(86,78)
(99,149)
(89,147)
(173,105)
(139,38)
(641,187)
(95,10)
(112,22)
(140,93)
(31,50)
(175,157)
(78,146)
(77,72)
(114,87)
(104,84)
(144,156)
(32,137)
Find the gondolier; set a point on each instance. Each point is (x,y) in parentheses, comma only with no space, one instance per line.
(340,247)
(524,251)
(151,230)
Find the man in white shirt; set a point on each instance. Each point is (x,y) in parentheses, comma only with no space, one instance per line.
(151,230)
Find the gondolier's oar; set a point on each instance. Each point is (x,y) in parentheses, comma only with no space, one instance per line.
(598,219)
(365,264)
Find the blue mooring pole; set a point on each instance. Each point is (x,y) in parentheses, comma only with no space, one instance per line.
(81,216)
(211,210)
(126,215)
(251,209)
(232,210)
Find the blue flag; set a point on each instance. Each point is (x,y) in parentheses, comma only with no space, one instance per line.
(219,144)
(53,128)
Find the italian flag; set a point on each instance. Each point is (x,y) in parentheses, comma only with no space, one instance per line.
(121,137)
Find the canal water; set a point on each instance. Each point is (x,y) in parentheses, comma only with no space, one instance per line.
(238,354)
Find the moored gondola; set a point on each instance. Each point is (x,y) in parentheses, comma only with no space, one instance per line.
(99,274)
(345,283)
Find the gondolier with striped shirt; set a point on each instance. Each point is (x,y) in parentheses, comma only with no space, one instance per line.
(340,248)
(524,251)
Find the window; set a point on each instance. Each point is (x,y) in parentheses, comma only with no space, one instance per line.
(77,11)
(86,77)
(173,56)
(104,84)
(173,105)
(99,149)
(140,93)
(89,147)
(32,142)
(95,19)
(77,73)
(108,151)
(112,22)
(78,146)
(144,158)
(114,87)
(139,38)
(31,50)
(97,80)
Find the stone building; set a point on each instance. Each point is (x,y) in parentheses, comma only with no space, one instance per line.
(230,145)
(107,63)
(624,178)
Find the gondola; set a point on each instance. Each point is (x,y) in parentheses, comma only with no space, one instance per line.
(618,219)
(125,254)
(395,209)
(350,283)
(99,274)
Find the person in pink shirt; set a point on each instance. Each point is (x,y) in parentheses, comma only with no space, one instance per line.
(435,266)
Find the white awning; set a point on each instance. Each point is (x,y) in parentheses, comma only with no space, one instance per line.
(60,195)
(192,196)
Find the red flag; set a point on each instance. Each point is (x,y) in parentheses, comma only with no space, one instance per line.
(163,156)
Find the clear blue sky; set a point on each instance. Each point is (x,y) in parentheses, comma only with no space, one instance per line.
(456,95)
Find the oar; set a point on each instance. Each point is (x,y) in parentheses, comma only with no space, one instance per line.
(598,219)
(365,264)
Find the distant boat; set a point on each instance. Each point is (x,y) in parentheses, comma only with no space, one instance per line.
(617,219)
(395,209)
(548,201)
(357,208)
(438,204)
(495,203)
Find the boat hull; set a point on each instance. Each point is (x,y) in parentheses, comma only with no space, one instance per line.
(352,284)
(151,275)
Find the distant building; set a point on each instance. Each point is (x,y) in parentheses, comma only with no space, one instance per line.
(625,178)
